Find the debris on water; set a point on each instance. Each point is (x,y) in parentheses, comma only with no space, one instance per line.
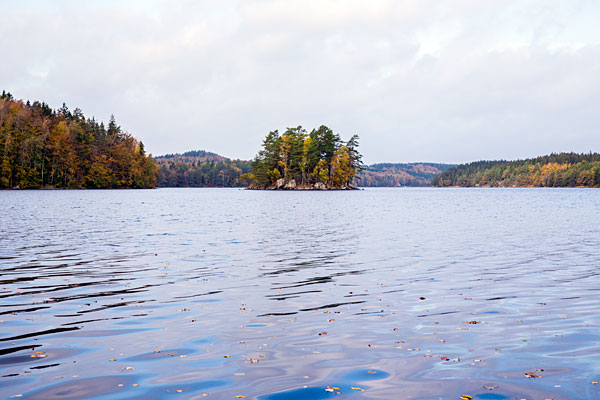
(532,375)
(333,389)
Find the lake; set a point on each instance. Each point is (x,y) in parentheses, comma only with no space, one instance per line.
(374,294)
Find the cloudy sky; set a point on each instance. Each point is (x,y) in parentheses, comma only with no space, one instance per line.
(418,80)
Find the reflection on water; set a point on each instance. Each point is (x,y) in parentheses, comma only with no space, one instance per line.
(381,293)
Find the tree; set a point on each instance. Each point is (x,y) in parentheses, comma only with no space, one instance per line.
(308,159)
(40,147)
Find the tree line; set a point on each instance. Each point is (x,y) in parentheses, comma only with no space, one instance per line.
(297,159)
(41,147)
(200,168)
(400,174)
(554,170)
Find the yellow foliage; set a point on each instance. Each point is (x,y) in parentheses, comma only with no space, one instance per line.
(341,168)
(321,172)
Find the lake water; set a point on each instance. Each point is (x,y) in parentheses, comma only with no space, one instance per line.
(372,294)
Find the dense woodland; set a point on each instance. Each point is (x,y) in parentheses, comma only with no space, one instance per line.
(297,159)
(45,148)
(396,174)
(200,169)
(555,170)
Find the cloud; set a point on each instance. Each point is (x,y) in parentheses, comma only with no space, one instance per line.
(417,80)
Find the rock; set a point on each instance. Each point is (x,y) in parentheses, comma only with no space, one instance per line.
(280,183)
(319,186)
(290,185)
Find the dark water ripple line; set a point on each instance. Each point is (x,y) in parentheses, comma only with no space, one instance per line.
(334,305)
(22,310)
(103,308)
(17,349)
(39,333)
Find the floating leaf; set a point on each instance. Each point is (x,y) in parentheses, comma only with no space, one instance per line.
(532,375)
(357,388)
(466,397)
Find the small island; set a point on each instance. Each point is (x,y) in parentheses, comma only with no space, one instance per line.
(298,160)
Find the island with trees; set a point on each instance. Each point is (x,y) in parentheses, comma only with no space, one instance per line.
(554,170)
(45,148)
(298,160)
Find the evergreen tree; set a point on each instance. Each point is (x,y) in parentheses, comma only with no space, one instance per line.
(318,158)
(40,147)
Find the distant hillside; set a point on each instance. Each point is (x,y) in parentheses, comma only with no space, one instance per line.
(396,174)
(554,170)
(191,156)
(200,168)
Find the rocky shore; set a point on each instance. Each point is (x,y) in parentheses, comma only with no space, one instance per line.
(281,184)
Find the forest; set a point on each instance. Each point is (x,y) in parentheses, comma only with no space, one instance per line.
(45,148)
(297,159)
(200,168)
(554,170)
(399,174)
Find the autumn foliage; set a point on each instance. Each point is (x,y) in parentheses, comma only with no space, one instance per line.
(555,170)
(41,147)
(199,168)
(297,159)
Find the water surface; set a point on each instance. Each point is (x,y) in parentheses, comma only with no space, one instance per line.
(374,294)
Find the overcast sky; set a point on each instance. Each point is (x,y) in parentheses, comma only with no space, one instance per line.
(418,80)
